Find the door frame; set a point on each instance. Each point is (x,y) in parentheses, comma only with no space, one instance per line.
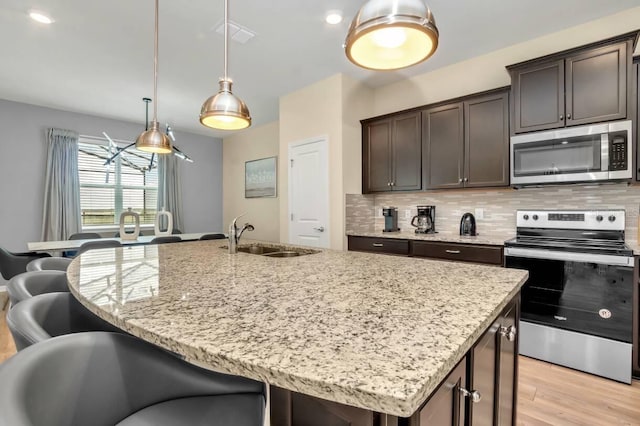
(324,139)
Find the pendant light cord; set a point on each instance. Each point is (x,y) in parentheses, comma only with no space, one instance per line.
(226,36)
(155,68)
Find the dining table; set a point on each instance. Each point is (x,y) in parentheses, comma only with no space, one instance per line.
(75,244)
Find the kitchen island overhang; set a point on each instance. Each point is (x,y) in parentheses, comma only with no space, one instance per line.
(370,331)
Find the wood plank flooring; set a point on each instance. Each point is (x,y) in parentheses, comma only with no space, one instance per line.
(549,395)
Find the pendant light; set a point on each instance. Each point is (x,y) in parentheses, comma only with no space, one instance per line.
(391,34)
(224,110)
(153,140)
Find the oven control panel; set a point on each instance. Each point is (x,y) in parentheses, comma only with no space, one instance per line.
(613,220)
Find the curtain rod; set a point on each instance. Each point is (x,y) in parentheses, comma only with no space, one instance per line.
(102,138)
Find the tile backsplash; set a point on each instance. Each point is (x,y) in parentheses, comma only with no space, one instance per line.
(364,212)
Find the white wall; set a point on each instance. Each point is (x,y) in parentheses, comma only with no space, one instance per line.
(23,163)
(263,213)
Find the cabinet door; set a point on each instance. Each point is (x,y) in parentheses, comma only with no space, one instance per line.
(376,151)
(486,129)
(507,371)
(407,149)
(538,96)
(378,245)
(445,406)
(443,147)
(483,378)
(596,85)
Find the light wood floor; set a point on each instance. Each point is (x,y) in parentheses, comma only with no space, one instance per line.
(548,395)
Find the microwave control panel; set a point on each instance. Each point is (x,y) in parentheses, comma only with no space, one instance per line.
(618,152)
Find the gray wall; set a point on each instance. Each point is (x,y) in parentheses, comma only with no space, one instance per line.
(23,163)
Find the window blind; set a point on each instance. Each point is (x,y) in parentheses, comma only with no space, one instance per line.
(130,181)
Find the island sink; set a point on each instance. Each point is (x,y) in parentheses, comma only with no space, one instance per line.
(274,250)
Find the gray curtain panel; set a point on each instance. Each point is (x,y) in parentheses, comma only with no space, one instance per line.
(170,188)
(61,216)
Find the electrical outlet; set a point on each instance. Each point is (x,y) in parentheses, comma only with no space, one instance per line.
(407,214)
(479,214)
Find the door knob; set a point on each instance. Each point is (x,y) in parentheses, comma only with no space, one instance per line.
(320,229)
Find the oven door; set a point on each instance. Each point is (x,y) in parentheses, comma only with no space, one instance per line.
(583,295)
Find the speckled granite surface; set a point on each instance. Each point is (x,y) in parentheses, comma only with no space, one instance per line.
(377,332)
(449,237)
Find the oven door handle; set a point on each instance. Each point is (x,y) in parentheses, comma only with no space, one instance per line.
(604,259)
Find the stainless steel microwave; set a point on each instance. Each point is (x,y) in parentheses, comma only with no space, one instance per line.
(576,154)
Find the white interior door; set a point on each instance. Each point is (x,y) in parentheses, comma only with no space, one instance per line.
(309,193)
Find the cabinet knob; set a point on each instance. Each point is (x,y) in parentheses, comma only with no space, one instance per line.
(460,180)
(388,183)
(473,395)
(393,184)
(561,117)
(466,179)
(508,332)
(568,116)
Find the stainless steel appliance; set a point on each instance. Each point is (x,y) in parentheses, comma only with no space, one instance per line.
(577,154)
(468,225)
(390,219)
(577,302)
(425,220)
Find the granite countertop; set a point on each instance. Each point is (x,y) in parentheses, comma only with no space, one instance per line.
(449,237)
(376,332)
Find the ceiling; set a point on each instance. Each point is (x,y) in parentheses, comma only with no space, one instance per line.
(97,58)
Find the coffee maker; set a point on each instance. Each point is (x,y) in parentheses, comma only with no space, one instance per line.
(390,219)
(425,221)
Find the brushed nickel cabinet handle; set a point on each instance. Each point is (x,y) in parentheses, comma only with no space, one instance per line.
(568,116)
(508,332)
(561,117)
(378,245)
(473,395)
(453,251)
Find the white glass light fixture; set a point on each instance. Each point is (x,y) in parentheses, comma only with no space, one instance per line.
(41,17)
(154,140)
(391,34)
(224,110)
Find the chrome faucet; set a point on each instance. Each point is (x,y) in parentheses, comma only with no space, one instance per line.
(234,234)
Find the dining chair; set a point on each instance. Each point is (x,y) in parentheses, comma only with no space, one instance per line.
(47,315)
(166,239)
(92,245)
(100,378)
(49,264)
(213,237)
(12,264)
(29,284)
(85,236)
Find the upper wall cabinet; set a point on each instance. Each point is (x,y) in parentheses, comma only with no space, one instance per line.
(580,86)
(391,153)
(466,144)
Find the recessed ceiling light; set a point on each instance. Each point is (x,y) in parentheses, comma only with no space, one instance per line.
(40,17)
(333,17)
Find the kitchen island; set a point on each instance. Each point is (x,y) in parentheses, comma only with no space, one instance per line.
(369,331)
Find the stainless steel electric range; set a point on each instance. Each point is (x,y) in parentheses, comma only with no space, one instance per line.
(577,303)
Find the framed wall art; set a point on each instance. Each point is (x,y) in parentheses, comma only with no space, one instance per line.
(260,177)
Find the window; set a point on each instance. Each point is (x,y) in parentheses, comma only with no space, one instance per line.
(106,191)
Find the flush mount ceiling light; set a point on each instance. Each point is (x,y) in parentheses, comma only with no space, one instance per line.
(154,140)
(40,17)
(224,110)
(391,34)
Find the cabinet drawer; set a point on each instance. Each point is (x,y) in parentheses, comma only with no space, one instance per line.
(379,245)
(461,252)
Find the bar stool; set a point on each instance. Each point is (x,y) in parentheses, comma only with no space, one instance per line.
(92,245)
(12,264)
(100,378)
(49,264)
(213,237)
(48,315)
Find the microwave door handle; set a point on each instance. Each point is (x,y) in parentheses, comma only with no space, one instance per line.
(604,154)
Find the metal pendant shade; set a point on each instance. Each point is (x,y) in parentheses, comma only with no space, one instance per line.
(153,140)
(391,34)
(224,110)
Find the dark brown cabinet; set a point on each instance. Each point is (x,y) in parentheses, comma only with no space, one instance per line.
(581,86)
(391,152)
(378,245)
(477,253)
(466,144)
(481,389)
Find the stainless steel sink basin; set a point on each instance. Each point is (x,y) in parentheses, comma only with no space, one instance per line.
(274,250)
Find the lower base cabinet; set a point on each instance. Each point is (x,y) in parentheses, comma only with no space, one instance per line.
(480,390)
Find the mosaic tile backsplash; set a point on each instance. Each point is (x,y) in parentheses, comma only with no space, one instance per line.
(364,212)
